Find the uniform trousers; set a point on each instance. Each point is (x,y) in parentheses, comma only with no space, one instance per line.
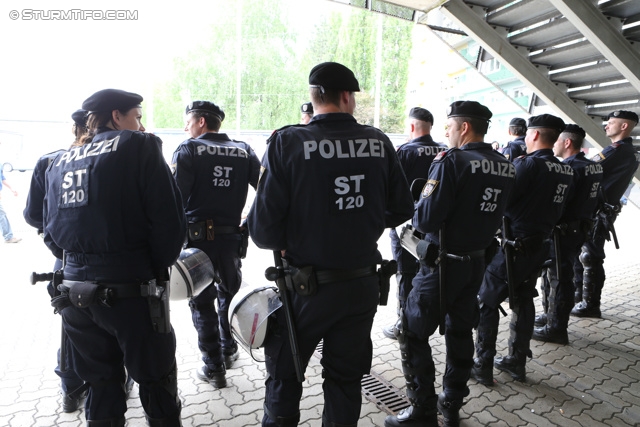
(213,327)
(103,338)
(341,315)
(422,315)
(495,290)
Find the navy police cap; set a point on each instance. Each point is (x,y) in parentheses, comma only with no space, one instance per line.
(571,128)
(331,75)
(472,109)
(421,114)
(205,107)
(111,99)
(547,121)
(517,121)
(623,114)
(80,118)
(307,108)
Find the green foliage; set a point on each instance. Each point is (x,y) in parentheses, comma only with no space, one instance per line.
(277,54)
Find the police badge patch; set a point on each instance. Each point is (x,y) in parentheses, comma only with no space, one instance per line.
(429,187)
(598,157)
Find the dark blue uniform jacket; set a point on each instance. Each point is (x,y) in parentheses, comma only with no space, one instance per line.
(469,187)
(515,148)
(416,156)
(213,173)
(327,192)
(114,207)
(619,162)
(33,210)
(587,176)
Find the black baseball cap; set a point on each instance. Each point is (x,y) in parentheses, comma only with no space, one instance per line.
(472,109)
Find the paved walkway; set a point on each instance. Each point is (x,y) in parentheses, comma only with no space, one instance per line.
(594,381)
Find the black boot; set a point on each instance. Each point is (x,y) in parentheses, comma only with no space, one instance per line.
(390,331)
(173,421)
(582,309)
(113,422)
(413,416)
(482,371)
(592,284)
(71,401)
(514,365)
(548,334)
(541,320)
(450,410)
(216,376)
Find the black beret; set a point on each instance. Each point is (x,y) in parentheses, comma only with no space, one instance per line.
(547,121)
(571,128)
(80,118)
(111,99)
(307,108)
(517,121)
(331,75)
(623,114)
(421,114)
(471,109)
(206,107)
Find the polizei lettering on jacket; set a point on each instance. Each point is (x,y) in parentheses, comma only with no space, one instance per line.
(351,148)
(493,168)
(222,151)
(595,169)
(88,150)
(559,168)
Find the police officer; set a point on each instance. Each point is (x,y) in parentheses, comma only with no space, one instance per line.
(517,147)
(619,162)
(571,232)
(70,382)
(114,210)
(415,157)
(327,192)
(307,113)
(465,196)
(213,173)
(542,185)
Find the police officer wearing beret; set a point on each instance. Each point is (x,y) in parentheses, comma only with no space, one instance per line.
(70,382)
(327,192)
(517,147)
(415,157)
(114,210)
(213,173)
(307,113)
(619,162)
(571,232)
(466,193)
(542,187)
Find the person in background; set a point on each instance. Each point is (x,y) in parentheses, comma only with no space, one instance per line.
(307,113)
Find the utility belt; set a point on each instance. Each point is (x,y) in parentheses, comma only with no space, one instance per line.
(430,252)
(86,294)
(304,281)
(205,230)
(528,245)
(576,226)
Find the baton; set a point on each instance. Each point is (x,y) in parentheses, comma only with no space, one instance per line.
(281,275)
(556,247)
(508,246)
(442,270)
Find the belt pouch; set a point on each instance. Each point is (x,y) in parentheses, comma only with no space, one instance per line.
(84,294)
(196,231)
(210,234)
(304,281)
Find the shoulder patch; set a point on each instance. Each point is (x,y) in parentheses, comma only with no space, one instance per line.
(598,157)
(441,155)
(429,188)
(273,134)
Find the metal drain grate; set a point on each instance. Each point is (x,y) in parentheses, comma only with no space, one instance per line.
(379,391)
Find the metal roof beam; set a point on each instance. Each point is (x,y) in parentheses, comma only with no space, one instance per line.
(475,25)
(590,21)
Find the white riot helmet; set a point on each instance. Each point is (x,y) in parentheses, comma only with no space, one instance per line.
(192,273)
(249,313)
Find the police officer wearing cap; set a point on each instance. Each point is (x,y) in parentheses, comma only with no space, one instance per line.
(114,210)
(619,163)
(542,187)
(213,173)
(70,382)
(517,147)
(326,193)
(466,193)
(307,113)
(415,157)
(571,232)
